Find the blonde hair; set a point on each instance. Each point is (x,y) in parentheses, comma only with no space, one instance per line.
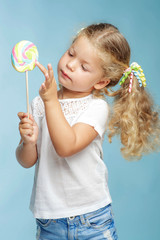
(133,116)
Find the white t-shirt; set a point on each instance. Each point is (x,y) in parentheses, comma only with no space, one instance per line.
(75,185)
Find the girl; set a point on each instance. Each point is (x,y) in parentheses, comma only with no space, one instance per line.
(64,134)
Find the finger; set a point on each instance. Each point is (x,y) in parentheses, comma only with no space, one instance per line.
(41,67)
(48,76)
(26,120)
(50,71)
(26,126)
(26,132)
(22,115)
(47,81)
(31,117)
(42,87)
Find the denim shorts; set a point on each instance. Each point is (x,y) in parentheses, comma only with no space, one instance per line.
(97,225)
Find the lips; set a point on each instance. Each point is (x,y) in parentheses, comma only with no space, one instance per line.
(65,74)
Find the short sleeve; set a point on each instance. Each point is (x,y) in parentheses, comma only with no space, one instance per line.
(96,115)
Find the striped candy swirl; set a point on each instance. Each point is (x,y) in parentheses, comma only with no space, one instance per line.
(24,56)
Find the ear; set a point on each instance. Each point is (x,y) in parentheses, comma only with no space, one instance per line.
(102,83)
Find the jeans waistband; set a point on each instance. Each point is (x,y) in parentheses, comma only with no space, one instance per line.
(85,216)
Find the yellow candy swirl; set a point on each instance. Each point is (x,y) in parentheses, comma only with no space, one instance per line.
(24,56)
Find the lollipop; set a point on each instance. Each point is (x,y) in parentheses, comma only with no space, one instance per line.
(24,56)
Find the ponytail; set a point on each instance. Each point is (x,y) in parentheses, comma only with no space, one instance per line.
(135,120)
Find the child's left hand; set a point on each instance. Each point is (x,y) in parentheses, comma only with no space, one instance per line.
(48,89)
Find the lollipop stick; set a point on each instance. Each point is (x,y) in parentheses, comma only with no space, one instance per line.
(27,93)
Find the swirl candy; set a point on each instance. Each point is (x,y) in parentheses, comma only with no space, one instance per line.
(24,56)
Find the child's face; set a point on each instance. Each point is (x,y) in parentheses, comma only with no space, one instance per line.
(79,68)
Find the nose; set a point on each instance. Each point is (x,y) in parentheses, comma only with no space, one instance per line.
(71,65)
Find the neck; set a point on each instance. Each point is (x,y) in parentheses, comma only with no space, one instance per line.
(64,93)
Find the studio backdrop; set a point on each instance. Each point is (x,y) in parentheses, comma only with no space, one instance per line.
(51,26)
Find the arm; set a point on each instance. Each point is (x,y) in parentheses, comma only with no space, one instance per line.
(67,140)
(26,151)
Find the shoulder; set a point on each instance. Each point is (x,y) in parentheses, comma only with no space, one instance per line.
(37,107)
(96,115)
(99,105)
(100,101)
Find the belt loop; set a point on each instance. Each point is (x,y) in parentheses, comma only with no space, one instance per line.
(82,219)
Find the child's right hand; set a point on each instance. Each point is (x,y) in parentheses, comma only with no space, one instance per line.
(28,128)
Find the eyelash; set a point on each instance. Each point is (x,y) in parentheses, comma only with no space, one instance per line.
(84,69)
(71,55)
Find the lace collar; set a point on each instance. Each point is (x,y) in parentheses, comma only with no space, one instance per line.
(70,106)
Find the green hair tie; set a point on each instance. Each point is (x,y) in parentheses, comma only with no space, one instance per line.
(136,69)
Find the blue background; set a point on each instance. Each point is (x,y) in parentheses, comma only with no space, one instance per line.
(51,24)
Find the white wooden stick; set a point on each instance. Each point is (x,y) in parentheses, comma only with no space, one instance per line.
(27,95)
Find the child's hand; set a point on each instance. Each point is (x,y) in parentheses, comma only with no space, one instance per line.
(28,128)
(48,89)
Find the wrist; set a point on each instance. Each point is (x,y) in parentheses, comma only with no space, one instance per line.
(51,103)
(28,144)
(47,98)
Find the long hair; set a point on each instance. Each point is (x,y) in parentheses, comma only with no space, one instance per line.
(133,116)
